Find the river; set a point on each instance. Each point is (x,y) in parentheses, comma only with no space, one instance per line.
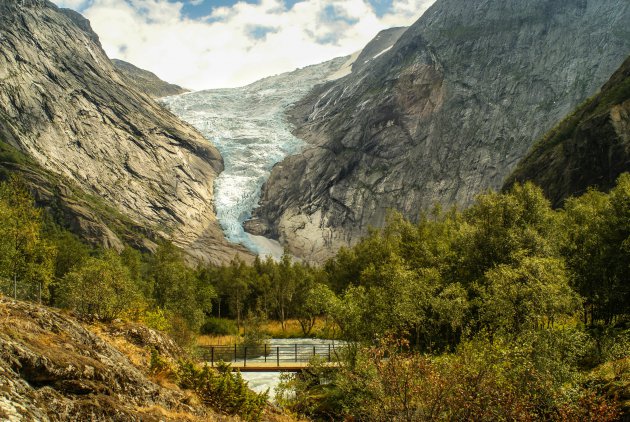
(263,381)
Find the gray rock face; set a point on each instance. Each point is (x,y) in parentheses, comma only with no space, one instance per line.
(145,81)
(63,103)
(589,148)
(53,369)
(381,43)
(442,116)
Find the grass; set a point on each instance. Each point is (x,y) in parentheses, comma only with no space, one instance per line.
(273,329)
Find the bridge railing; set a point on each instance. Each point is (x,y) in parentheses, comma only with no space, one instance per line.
(278,354)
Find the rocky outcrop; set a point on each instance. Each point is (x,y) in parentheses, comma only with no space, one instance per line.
(379,45)
(145,81)
(64,104)
(444,115)
(589,148)
(53,369)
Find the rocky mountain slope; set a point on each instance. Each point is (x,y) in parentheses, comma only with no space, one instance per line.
(590,147)
(145,81)
(445,114)
(63,104)
(53,369)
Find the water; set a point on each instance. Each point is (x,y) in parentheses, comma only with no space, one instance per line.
(261,381)
(250,130)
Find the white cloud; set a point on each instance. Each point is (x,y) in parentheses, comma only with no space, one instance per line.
(225,49)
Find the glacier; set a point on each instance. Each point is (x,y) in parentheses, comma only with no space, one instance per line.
(249,127)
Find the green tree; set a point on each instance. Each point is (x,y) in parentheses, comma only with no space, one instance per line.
(529,294)
(597,250)
(101,288)
(313,301)
(177,289)
(26,258)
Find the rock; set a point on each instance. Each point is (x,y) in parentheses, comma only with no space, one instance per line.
(54,369)
(589,148)
(145,81)
(444,115)
(64,104)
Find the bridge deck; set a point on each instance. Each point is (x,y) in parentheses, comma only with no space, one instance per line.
(269,367)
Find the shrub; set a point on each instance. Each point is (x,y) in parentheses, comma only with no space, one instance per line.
(219,326)
(222,390)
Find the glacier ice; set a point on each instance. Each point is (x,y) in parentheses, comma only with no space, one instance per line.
(249,127)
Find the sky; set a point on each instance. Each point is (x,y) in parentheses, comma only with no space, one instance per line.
(203,44)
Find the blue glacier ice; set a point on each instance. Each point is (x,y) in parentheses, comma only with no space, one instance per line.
(249,127)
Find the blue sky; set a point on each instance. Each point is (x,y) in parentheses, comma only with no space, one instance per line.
(199,8)
(204,44)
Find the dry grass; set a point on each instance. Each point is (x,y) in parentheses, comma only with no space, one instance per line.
(293,329)
(273,329)
(138,356)
(209,340)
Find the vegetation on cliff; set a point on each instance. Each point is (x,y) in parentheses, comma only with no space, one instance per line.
(588,148)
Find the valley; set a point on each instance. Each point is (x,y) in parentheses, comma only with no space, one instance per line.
(451,203)
(249,128)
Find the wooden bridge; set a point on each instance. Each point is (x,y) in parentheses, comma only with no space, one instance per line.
(271,358)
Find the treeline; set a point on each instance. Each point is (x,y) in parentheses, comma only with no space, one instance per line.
(509,310)
(509,262)
(40,261)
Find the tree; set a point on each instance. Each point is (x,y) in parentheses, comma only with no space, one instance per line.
(26,258)
(313,301)
(101,288)
(177,289)
(531,293)
(597,250)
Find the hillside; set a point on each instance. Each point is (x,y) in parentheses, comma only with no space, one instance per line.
(445,114)
(53,368)
(589,148)
(65,107)
(56,368)
(145,81)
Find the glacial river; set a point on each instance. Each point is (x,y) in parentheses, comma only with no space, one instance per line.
(263,381)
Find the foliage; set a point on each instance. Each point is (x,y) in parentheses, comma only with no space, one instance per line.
(597,250)
(27,259)
(222,390)
(219,326)
(177,289)
(532,378)
(101,288)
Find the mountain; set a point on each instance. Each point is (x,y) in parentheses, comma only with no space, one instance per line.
(589,148)
(65,107)
(145,81)
(445,114)
(249,127)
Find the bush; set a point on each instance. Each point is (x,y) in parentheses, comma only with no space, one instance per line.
(99,289)
(523,380)
(222,390)
(219,326)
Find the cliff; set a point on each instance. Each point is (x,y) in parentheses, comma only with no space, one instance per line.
(445,114)
(145,81)
(64,105)
(53,368)
(589,148)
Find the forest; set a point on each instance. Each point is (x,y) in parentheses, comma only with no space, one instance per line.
(508,309)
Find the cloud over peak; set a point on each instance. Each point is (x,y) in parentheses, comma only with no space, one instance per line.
(203,44)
